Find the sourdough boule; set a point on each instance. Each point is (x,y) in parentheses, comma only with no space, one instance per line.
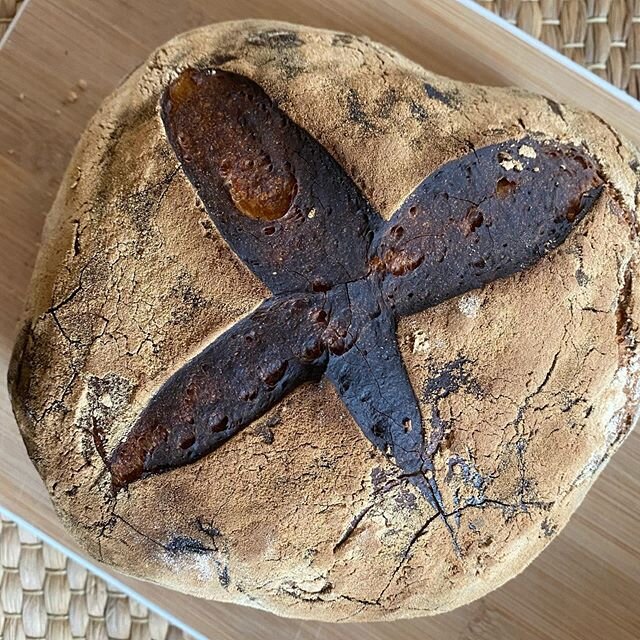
(315,330)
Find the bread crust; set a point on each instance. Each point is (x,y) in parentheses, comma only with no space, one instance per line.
(534,378)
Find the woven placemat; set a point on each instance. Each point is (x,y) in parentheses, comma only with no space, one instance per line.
(45,595)
(8,9)
(602,35)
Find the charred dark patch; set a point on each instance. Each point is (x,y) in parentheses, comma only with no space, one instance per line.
(468,472)
(624,320)
(418,112)
(340,275)
(207,528)
(406,500)
(634,165)
(450,99)
(141,206)
(184,544)
(223,576)
(290,67)
(218,59)
(356,112)
(186,301)
(450,378)
(342,39)
(492,213)
(548,528)
(179,545)
(202,405)
(378,477)
(387,101)
(276,38)
(469,486)
(581,277)
(208,230)
(265,173)
(555,108)
(264,429)
(443,381)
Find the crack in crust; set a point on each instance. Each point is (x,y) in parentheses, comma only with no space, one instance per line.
(341,276)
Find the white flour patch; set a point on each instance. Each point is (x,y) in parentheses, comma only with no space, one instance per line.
(421,343)
(205,567)
(106,400)
(527,152)
(469,305)
(510,164)
(203,564)
(595,462)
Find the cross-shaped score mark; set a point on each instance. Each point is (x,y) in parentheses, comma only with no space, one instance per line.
(340,275)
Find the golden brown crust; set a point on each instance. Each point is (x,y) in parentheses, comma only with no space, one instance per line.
(534,378)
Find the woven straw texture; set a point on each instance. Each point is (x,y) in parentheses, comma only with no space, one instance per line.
(45,595)
(8,10)
(602,35)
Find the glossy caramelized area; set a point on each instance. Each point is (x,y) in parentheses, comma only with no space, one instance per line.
(226,131)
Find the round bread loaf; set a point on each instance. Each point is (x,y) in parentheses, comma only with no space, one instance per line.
(315,330)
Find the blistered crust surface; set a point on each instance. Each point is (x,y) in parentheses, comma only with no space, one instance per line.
(531,380)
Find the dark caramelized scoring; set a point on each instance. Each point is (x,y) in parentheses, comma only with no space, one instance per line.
(222,133)
(340,275)
(484,216)
(283,204)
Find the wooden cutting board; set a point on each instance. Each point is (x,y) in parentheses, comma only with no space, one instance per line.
(63,57)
